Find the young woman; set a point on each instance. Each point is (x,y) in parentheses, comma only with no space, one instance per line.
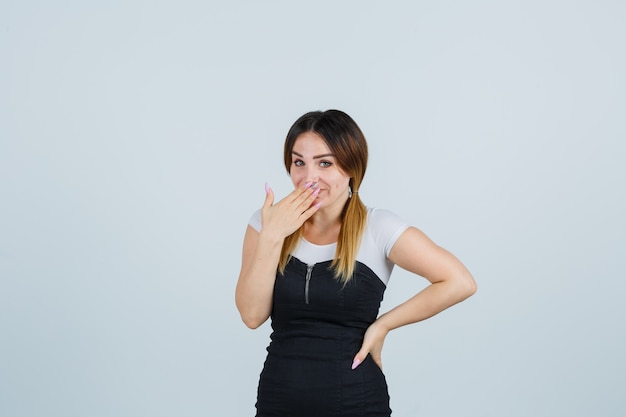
(317,262)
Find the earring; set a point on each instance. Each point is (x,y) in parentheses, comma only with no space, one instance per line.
(349,192)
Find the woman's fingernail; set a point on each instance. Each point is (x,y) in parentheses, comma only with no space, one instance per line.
(267,188)
(356,363)
(308,184)
(318,204)
(316,192)
(315,185)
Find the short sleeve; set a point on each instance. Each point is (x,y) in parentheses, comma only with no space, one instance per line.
(385,228)
(255,221)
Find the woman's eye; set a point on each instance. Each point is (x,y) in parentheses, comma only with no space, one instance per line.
(298,163)
(325,164)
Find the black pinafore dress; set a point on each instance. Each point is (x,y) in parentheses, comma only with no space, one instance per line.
(318,327)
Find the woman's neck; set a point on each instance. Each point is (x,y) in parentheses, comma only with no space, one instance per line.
(323,227)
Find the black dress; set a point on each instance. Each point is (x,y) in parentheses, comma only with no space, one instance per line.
(318,327)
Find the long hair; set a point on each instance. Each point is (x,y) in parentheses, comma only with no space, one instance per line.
(346,141)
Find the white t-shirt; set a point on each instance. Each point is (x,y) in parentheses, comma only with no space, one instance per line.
(382,229)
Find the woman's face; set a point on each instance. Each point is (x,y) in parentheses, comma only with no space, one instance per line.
(313,161)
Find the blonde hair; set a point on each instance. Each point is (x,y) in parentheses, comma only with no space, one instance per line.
(346,141)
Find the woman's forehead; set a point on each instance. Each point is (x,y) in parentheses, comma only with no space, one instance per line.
(310,144)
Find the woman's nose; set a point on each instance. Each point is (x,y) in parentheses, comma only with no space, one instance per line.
(312,176)
(308,171)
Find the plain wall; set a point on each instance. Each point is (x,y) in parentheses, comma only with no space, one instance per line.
(136,138)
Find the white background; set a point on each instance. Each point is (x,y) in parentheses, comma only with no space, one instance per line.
(136,137)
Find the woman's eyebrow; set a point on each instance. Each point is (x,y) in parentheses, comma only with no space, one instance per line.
(316,156)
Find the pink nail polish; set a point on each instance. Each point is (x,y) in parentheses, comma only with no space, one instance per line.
(308,184)
(267,188)
(316,192)
(318,204)
(356,363)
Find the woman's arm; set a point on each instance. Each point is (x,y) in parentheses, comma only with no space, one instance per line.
(261,252)
(450,282)
(255,286)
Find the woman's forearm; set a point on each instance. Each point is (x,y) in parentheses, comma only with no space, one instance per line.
(427,303)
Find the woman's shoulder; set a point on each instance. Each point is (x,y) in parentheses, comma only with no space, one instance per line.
(255,220)
(384,227)
(377,215)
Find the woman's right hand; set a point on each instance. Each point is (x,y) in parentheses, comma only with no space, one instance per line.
(285,217)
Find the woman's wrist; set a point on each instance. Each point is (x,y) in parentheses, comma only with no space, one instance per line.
(382,324)
(270,239)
